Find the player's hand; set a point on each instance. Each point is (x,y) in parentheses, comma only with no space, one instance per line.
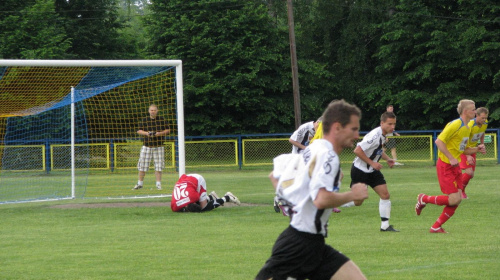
(470,159)
(376,165)
(481,148)
(453,162)
(359,191)
(391,162)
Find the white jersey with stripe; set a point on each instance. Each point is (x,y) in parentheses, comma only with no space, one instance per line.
(300,183)
(371,145)
(303,134)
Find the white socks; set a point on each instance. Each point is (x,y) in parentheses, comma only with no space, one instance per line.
(384,207)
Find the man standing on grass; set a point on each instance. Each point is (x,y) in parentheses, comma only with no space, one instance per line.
(366,168)
(153,128)
(451,143)
(468,162)
(300,251)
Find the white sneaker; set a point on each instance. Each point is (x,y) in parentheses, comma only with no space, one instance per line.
(214,195)
(159,188)
(137,187)
(398,163)
(233,198)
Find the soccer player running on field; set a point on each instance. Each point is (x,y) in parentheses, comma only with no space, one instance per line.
(300,251)
(468,162)
(451,143)
(366,167)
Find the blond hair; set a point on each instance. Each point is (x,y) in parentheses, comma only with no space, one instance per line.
(464,103)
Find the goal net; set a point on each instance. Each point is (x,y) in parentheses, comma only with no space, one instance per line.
(68,129)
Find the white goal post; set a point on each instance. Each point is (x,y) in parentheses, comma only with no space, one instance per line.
(102,100)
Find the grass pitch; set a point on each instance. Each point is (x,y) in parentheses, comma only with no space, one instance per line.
(40,241)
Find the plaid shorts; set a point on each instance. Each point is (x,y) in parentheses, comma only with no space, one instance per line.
(158,154)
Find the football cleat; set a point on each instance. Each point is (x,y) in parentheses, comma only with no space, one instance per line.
(437,230)
(464,196)
(420,204)
(390,228)
(159,188)
(233,198)
(137,187)
(336,210)
(214,196)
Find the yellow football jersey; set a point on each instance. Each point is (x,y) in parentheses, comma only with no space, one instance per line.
(476,132)
(456,137)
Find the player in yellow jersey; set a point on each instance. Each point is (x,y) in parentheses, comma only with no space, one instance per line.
(468,162)
(451,143)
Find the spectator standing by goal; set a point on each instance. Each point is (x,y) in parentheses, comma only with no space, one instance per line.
(153,128)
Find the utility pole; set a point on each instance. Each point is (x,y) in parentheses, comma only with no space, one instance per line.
(295,69)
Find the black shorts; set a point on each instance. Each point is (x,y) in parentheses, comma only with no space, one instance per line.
(373,179)
(391,143)
(301,255)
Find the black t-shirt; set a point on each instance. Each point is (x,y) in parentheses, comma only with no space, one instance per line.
(157,124)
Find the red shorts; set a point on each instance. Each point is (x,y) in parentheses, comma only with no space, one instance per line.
(449,177)
(464,164)
(185,193)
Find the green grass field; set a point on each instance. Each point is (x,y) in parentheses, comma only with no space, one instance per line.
(40,241)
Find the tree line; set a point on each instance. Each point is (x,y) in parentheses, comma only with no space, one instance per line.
(420,56)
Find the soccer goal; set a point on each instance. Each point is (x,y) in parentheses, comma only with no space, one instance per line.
(68,129)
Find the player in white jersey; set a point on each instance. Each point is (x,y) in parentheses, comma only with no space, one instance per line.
(366,166)
(301,137)
(306,185)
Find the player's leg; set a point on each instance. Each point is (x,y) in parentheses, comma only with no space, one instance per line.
(358,176)
(143,166)
(349,271)
(159,159)
(468,168)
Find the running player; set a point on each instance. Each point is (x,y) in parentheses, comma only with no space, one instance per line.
(468,162)
(366,168)
(451,143)
(300,251)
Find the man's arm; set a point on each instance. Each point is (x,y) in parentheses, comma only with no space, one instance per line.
(442,147)
(297,144)
(358,151)
(163,132)
(325,199)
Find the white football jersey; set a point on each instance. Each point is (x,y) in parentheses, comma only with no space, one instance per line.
(372,145)
(300,183)
(303,134)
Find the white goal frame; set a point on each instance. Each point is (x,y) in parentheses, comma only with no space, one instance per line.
(115,63)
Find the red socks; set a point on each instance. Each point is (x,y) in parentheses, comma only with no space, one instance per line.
(437,199)
(465,179)
(448,211)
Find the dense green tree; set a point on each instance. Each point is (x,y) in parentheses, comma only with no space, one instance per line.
(33,31)
(235,62)
(435,53)
(93,26)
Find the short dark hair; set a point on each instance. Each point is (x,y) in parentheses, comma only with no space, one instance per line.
(339,111)
(193,207)
(387,115)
